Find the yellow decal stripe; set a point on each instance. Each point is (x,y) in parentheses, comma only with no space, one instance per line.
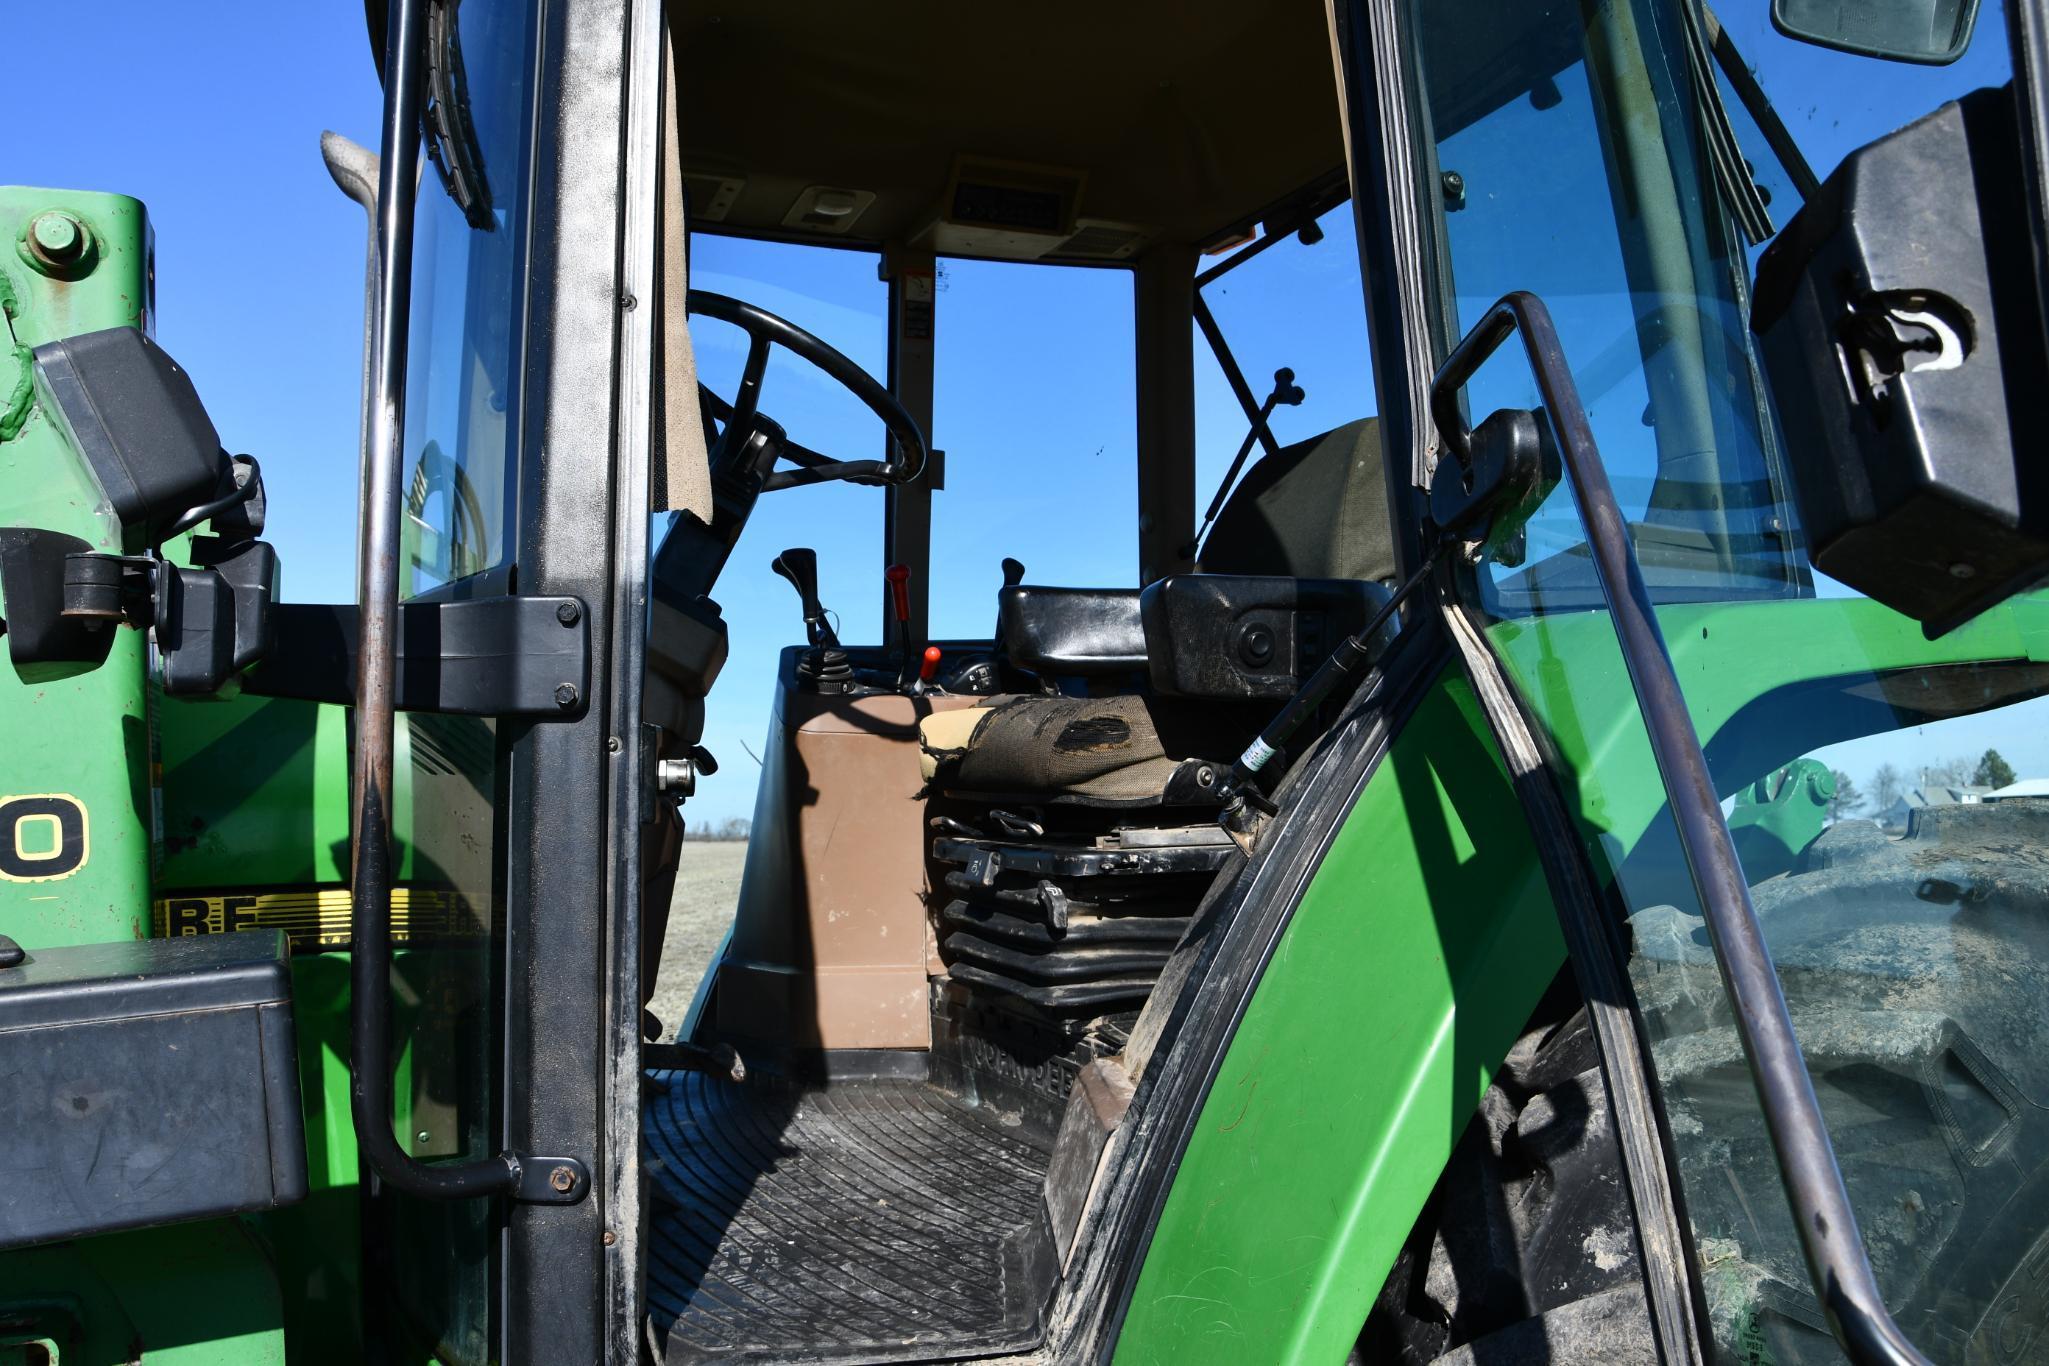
(318,918)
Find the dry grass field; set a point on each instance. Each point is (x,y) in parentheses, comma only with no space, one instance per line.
(707,888)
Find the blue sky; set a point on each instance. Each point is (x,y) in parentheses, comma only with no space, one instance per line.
(211,115)
(214,121)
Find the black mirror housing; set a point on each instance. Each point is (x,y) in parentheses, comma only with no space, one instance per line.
(1902,334)
(1928,32)
(131,413)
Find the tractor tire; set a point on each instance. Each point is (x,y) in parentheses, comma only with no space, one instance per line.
(1525,1252)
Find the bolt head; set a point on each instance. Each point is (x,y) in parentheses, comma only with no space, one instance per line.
(566,613)
(565,694)
(56,243)
(610,1238)
(57,237)
(562,1180)
(1961,570)
(422,1136)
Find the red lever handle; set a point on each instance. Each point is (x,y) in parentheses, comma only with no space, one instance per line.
(929,665)
(899,576)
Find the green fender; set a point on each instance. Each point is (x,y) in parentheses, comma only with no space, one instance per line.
(1422,944)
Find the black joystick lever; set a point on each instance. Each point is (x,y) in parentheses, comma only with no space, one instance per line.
(800,567)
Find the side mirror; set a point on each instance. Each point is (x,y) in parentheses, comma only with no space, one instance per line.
(1931,32)
(131,413)
(134,420)
(1902,331)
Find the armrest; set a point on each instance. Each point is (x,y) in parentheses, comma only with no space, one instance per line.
(1068,632)
(1224,636)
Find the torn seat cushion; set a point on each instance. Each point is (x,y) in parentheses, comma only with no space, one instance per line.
(1102,750)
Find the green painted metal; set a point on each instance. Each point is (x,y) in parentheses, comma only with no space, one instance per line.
(189,1295)
(315,1243)
(255,794)
(1421,946)
(81,732)
(1779,815)
(1758,672)
(1426,936)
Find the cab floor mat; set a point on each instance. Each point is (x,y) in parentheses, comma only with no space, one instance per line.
(866,1220)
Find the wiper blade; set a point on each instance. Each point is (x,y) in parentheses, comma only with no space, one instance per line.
(1759,106)
(451,133)
(1732,170)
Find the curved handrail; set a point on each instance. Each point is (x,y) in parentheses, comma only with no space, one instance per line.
(1837,1262)
(553,1180)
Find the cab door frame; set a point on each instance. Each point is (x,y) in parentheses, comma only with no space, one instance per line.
(572,1070)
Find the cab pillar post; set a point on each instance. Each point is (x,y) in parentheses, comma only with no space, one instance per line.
(907,517)
(1164,313)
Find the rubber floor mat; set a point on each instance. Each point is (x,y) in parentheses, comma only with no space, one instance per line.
(871,1220)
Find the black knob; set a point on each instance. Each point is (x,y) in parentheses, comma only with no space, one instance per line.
(1256,645)
(1013,572)
(800,567)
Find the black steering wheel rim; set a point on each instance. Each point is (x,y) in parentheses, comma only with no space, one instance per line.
(765,329)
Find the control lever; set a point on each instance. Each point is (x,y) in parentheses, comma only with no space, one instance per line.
(800,567)
(899,576)
(1286,391)
(928,667)
(1013,572)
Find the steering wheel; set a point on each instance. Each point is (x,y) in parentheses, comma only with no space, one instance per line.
(750,444)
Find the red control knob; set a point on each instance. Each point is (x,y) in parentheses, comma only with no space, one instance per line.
(929,665)
(899,576)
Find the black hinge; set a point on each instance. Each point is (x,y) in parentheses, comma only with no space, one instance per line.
(503,656)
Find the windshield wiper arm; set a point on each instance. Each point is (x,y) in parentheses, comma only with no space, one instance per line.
(1759,106)
(1733,171)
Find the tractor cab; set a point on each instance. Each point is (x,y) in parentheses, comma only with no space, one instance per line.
(1039,377)
(1304,590)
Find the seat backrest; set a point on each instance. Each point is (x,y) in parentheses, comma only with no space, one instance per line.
(1313,510)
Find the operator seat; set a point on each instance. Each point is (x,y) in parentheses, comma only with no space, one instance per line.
(1300,555)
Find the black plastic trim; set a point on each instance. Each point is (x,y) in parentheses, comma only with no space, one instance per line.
(1673,1294)
(1251,913)
(492,656)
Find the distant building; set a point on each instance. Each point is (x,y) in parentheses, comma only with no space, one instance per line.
(2026,787)
(1894,817)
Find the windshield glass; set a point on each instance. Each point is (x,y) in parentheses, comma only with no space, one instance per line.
(1885,791)
(1289,301)
(1035,410)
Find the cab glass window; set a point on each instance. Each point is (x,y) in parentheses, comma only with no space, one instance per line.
(1293,302)
(458,535)
(1883,790)
(468,310)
